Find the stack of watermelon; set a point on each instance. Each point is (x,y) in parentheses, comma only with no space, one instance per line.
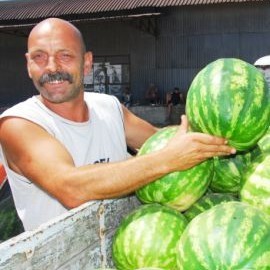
(223,204)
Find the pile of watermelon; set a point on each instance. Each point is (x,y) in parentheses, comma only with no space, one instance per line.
(215,215)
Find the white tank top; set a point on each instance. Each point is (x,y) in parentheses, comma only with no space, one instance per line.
(101,139)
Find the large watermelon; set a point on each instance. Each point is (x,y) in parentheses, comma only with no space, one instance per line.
(147,237)
(229,172)
(256,187)
(230,98)
(178,189)
(206,202)
(232,235)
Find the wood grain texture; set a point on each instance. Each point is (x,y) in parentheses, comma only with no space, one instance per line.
(79,239)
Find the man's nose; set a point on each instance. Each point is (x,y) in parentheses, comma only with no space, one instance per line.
(52,64)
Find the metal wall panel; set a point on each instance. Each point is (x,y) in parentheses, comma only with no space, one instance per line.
(14,82)
(192,37)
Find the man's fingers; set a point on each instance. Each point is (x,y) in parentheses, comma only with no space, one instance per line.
(202,156)
(216,153)
(200,137)
(209,139)
(184,125)
(217,150)
(220,147)
(215,146)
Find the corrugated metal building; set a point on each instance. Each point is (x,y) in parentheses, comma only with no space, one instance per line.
(136,43)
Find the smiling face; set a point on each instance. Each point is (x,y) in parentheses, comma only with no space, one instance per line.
(57,61)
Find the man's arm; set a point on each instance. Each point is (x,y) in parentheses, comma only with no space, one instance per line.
(37,155)
(137,130)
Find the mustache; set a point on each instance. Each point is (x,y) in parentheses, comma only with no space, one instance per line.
(57,76)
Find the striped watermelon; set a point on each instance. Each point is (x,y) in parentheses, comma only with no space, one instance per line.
(264,142)
(147,237)
(256,188)
(229,172)
(231,235)
(230,98)
(178,190)
(206,202)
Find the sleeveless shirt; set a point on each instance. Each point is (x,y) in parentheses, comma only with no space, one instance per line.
(100,139)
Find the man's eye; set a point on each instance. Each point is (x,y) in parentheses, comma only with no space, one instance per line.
(65,57)
(39,57)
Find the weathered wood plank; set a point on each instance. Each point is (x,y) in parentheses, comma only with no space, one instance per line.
(79,239)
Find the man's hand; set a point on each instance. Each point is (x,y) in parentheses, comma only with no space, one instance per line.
(191,148)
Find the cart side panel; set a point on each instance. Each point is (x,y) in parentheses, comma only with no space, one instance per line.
(79,239)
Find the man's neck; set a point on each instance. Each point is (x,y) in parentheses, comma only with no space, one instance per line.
(75,110)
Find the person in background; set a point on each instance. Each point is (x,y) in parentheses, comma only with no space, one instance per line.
(64,147)
(127,97)
(175,98)
(152,95)
(263,64)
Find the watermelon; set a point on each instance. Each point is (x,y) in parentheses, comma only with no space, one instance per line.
(231,235)
(150,268)
(147,237)
(178,189)
(264,142)
(229,172)
(206,202)
(256,187)
(230,98)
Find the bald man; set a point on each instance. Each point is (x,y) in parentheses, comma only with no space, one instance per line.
(64,147)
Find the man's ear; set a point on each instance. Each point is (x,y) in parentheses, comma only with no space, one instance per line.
(28,65)
(88,61)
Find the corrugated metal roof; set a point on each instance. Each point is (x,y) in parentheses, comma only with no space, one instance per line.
(27,11)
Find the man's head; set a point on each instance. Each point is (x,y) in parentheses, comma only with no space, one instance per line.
(57,60)
(263,64)
(176,90)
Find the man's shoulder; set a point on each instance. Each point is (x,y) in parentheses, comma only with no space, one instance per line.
(103,103)
(99,97)
(18,108)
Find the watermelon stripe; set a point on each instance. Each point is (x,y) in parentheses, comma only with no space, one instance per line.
(264,142)
(229,172)
(256,188)
(206,202)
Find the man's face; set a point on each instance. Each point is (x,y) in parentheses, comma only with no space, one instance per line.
(55,62)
